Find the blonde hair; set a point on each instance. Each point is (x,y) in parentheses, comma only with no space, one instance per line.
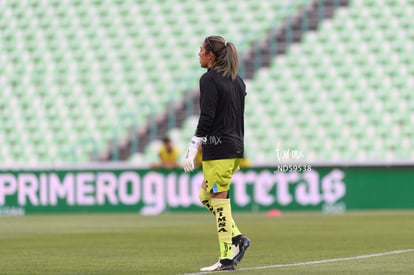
(227,60)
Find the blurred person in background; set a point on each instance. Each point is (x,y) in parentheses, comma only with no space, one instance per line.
(245,162)
(199,157)
(168,155)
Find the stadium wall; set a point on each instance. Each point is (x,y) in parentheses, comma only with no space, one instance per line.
(151,192)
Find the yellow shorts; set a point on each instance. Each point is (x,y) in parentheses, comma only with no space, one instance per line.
(218,173)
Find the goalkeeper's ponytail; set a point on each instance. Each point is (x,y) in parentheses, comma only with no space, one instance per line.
(227,60)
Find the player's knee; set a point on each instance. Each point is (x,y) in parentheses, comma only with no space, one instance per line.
(203,195)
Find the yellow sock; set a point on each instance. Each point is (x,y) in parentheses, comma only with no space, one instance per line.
(222,209)
(234,229)
(206,201)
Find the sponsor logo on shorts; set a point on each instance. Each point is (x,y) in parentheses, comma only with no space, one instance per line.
(215,188)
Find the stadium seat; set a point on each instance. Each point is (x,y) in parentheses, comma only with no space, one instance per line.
(78,73)
(342,94)
(87,63)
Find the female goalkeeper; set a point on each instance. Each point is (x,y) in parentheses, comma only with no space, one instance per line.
(220,130)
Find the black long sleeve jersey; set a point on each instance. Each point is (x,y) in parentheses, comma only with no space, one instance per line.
(221,116)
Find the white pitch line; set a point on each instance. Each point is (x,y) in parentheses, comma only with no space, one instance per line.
(317,262)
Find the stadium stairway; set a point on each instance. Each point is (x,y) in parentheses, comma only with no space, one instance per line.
(277,42)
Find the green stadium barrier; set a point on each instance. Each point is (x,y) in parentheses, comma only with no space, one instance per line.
(151,192)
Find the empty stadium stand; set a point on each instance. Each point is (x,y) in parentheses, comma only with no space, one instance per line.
(89,80)
(79,74)
(343,94)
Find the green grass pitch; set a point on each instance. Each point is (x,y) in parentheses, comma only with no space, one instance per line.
(182,243)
